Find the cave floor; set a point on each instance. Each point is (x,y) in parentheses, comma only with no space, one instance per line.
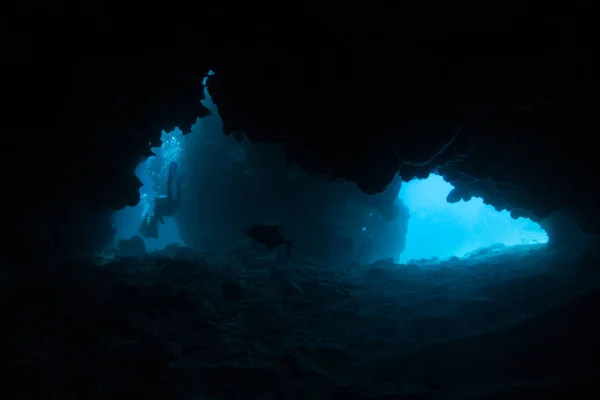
(243,324)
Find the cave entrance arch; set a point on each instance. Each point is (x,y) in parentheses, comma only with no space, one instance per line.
(439,229)
(153,173)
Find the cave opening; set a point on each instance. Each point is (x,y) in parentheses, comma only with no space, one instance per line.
(438,229)
(153,174)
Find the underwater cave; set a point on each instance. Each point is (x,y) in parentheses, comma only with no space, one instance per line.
(134,176)
(400,280)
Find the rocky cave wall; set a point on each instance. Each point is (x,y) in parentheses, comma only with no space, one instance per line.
(357,94)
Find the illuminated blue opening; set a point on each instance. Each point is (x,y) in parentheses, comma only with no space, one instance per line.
(153,174)
(439,229)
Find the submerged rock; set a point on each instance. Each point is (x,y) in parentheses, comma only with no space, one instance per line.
(133,247)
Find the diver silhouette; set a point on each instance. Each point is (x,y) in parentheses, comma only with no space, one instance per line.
(164,206)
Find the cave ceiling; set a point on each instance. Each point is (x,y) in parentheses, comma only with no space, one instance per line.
(498,100)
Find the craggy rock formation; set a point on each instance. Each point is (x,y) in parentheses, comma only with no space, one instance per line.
(231,185)
(499,103)
(133,247)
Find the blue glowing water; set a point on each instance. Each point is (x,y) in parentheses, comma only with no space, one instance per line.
(439,229)
(128,220)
